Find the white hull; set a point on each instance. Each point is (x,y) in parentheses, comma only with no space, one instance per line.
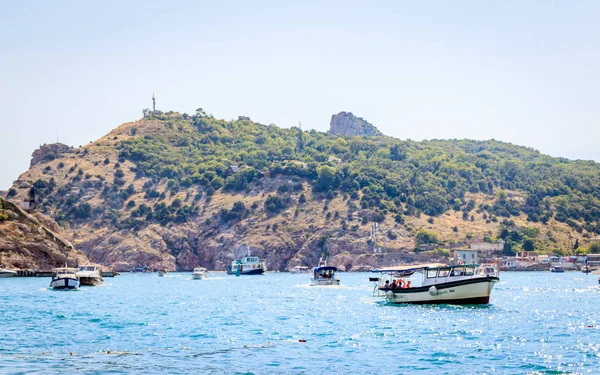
(324,282)
(64,283)
(199,276)
(6,273)
(476,292)
(90,280)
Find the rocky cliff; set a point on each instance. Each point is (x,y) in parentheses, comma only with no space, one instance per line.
(346,123)
(32,241)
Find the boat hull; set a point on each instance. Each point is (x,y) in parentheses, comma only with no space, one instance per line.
(256,271)
(64,283)
(464,292)
(324,282)
(90,280)
(5,274)
(199,276)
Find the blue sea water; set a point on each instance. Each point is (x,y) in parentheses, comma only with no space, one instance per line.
(537,323)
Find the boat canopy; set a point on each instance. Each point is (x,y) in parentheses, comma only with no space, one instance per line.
(326,268)
(416,267)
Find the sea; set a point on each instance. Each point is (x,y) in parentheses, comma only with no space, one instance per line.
(536,323)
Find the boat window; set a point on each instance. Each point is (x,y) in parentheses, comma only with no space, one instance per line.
(431,274)
(444,272)
(469,271)
(457,271)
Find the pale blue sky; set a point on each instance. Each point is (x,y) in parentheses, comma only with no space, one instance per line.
(525,72)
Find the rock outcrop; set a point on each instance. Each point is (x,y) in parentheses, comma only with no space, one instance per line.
(30,241)
(347,124)
(49,152)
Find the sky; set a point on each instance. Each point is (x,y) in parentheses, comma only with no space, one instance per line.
(524,72)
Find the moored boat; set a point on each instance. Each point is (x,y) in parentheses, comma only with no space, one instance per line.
(6,272)
(436,284)
(586,269)
(90,275)
(199,273)
(557,269)
(300,269)
(64,278)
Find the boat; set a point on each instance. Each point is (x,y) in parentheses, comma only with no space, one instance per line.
(162,273)
(324,274)
(436,283)
(64,278)
(248,265)
(6,272)
(90,275)
(586,269)
(300,269)
(199,273)
(138,269)
(557,269)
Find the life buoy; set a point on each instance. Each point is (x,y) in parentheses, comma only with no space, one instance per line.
(400,284)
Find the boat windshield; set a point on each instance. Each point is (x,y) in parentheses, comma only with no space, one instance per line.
(87,268)
(64,271)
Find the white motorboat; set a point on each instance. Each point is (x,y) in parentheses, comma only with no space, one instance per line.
(6,272)
(90,275)
(64,278)
(467,284)
(199,273)
(300,269)
(162,273)
(324,275)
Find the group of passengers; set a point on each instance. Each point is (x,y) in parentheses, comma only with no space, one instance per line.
(326,275)
(397,284)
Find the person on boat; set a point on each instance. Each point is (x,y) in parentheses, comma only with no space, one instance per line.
(407,285)
(400,284)
(387,284)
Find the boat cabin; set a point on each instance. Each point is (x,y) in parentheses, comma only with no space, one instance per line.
(429,274)
(325,272)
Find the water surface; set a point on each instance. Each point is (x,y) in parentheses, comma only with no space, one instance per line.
(537,323)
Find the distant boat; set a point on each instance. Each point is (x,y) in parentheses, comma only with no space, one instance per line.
(6,272)
(90,275)
(248,265)
(162,273)
(199,273)
(64,278)
(586,269)
(324,275)
(138,269)
(300,269)
(557,269)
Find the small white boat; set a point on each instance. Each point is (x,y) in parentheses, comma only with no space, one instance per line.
(162,273)
(199,273)
(6,272)
(324,275)
(64,278)
(300,269)
(90,275)
(436,283)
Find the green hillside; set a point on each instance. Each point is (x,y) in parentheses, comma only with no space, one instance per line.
(168,169)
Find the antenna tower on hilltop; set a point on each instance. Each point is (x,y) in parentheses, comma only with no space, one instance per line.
(153,104)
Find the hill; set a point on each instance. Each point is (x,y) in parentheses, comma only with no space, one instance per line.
(176,190)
